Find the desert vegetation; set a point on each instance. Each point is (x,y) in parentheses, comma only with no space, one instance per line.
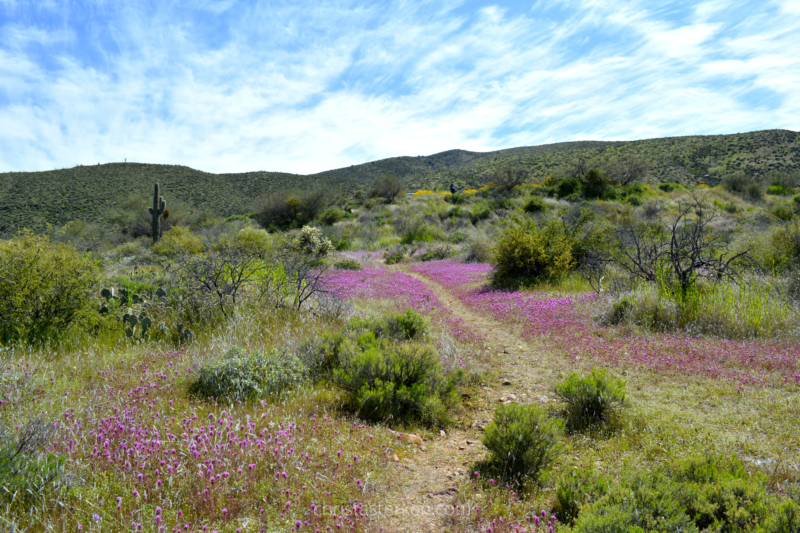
(589,349)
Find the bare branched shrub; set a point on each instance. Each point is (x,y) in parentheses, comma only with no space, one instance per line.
(509,177)
(626,170)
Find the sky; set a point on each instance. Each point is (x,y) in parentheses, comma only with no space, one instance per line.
(302,87)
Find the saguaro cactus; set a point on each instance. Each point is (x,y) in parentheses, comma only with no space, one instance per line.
(159,205)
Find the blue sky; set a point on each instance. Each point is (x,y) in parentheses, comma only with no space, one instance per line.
(230,86)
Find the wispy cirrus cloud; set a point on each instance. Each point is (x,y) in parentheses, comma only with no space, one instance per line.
(233,86)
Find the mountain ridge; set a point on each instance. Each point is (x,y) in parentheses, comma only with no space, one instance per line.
(89,193)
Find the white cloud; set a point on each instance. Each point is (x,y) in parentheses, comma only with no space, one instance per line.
(309,88)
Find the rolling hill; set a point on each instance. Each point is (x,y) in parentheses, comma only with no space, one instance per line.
(89,193)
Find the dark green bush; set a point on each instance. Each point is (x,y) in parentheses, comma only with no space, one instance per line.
(46,289)
(568,187)
(347,264)
(522,442)
(669,187)
(394,382)
(594,185)
(592,399)
(241,375)
(534,204)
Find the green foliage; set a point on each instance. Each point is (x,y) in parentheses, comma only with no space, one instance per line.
(592,399)
(529,253)
(332,215)
(282,210)
(418,231)
(240,375)
(347,264)
(394,383)
(699,494)
(387,187)
(594,184)
(568,188)
(46,289)
(534,204)
(778,190)
(576,489)
(669,187)
(522,443)
(410,325)
(392,257)
(176,241)
(437,253)
(479,212)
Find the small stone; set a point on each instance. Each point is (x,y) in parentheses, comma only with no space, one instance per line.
(543,399)
(442,433)
(462,447)
(413,438)
(503,398)
(471,442)
(506,382)
(395,458)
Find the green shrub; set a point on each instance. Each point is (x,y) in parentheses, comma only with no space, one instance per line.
(437,253)
(418,231)
(645,503)
(575,490)
(594,185)
(46,289)
(332,215)
(669,187)
(410,325)
(527,253)
(241,375)
(392,257)
(480,212)
(568,187)
(394,383)
(777,189)
(696,494)
(753,192)
(522,442)
(591,399)
(534,204)
(457,237)
(480,250)
(347,264)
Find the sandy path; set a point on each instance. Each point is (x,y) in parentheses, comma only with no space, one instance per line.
(422,493)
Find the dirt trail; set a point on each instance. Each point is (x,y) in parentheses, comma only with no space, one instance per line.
(521,371)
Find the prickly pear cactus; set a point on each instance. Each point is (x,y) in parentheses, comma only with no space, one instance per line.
(159,205)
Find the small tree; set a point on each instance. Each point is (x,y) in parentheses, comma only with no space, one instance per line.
(509,177)
(387,187)
(626,170)
(684,249)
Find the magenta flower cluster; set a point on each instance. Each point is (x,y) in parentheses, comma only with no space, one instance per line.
(566,322)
